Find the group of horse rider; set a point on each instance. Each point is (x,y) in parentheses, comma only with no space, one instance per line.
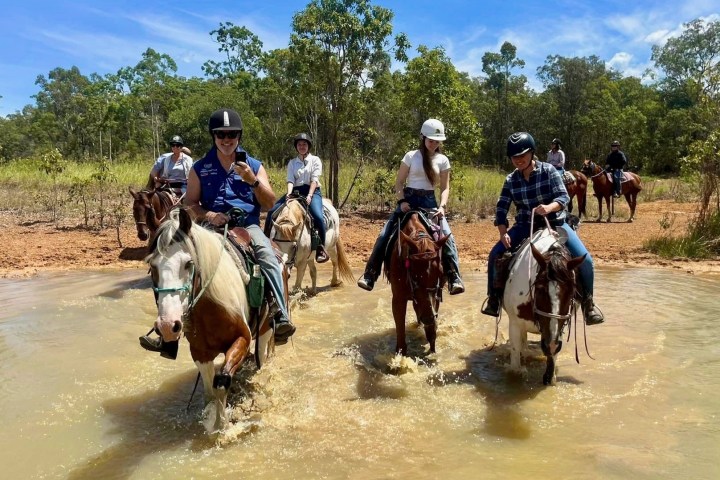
(227,179)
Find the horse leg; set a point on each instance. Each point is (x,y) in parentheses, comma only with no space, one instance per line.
(600,200)
(233,359)
(518,338)
(607,204)
(214,416)
(632,201)
(431,335)
(399,308)
(549,377)
(313,275)
(299,274)
(332,251)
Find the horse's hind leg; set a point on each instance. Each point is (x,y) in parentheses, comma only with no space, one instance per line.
(431,335)
(332,251)
(313,275)
(632,203)
(518,338)
(600,200)
(299,274)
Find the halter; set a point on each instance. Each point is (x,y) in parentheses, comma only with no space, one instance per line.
(592,167)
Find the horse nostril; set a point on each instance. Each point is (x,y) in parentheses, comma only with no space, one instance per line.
(177,326)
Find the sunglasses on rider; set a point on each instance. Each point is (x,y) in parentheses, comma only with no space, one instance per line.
(233,134)
(173,145)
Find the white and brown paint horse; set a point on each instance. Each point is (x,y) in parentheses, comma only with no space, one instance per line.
(539,298)
(200,283)
(291,232)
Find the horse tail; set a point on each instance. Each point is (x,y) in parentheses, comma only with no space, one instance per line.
(343,264)
(582,201)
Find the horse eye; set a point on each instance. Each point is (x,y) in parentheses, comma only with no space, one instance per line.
(189,265)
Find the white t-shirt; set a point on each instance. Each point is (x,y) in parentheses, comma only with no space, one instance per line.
(417,178)
(305,172)
(173,171)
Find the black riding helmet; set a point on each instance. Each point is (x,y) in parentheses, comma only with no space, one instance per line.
(302,136)
(557,142)
(519,143)
(177,140)
(225,119)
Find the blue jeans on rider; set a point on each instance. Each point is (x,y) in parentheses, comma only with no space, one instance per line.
(269,265)
(416,199)
(315,209)
(617,180)
(519,232)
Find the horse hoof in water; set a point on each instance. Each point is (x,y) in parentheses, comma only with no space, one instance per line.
(630,220)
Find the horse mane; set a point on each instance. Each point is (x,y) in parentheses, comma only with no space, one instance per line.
(557,269)
(213,262)
(289,218)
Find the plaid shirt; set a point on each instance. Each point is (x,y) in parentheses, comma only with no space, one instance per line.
(544,186)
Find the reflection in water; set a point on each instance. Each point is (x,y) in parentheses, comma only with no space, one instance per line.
(82,400)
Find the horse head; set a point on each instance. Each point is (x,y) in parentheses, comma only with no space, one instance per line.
(142,207)
(288,225)
(588,167)
(552,299)
(422,259)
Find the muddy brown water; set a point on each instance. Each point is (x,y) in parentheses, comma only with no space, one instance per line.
(80,399)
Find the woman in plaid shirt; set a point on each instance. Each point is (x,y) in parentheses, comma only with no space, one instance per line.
(535,184)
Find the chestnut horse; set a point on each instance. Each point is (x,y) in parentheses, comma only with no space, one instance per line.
(578,189)
(539,298)
(415,273)
(150,208)
(603,187)
(200,280)
(292,234)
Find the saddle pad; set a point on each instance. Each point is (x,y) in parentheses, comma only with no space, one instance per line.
(623,179)
(568,178)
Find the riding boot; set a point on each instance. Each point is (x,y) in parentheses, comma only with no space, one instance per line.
(455,283)
(284,329)
(166,349)
(491,306)
(321,255)
(592,315)
(451,265)
(374,264)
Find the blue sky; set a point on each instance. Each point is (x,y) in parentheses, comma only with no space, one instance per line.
(101,37)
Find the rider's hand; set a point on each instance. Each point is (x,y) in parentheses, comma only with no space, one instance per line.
(404,207)
(440,213)
(505,239)
(217,219)
(542,210)
(245,172)
(308,199)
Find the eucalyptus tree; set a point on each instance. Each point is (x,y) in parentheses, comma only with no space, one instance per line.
(435,89)
(500,85)
(346,43)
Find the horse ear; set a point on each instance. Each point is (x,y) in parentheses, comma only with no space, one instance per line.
(133,193)
(576,262)
(185,221)
(538,256)
(441,243)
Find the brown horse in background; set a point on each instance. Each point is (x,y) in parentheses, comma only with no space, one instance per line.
(578,189)
(603,187)
(415,273)
(150,209)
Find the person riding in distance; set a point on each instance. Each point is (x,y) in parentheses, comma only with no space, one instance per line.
(172,168)
(217,184)
(616,162)
(535,184)
(556,157)
(303,177)
(420,171)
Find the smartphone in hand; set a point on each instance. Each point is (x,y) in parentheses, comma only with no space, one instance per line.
(240,157)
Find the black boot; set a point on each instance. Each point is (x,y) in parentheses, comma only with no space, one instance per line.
(592,315)
(284,329)
(492,306)
(166,349)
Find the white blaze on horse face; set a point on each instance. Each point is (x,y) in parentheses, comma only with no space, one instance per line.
(554,294)
(173,273)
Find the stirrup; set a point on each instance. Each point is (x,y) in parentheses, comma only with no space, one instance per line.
(487,305)
(321,255)
(283,332)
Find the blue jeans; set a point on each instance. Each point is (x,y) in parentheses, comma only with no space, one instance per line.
(269,265)
(617,180)
(416,200)
(519,232)
(315,209)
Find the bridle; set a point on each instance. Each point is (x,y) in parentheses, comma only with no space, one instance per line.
(434,293)
(591,167)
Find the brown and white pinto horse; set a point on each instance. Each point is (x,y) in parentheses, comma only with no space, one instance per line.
(150,208)
(200,281)
(603,187)
(415,273)
(539,298)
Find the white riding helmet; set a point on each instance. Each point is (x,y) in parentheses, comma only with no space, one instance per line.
(433,129)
